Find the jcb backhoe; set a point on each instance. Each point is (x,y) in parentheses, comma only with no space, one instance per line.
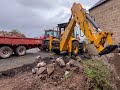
(90,29)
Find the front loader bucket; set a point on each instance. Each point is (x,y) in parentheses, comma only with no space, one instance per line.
(109,49)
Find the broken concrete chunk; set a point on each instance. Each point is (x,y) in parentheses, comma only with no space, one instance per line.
(66,73)
(41,64)
(41,70)
(50,69)
(60,62)
(73,63)
(34,70)
(38,57)
(78,58)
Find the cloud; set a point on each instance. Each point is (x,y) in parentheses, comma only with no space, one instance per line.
(33,16)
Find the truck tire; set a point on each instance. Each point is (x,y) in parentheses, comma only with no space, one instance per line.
(56,51)
(20,50)
(75,48)
(5,52)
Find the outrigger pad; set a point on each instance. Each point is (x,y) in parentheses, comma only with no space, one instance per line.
(108,49)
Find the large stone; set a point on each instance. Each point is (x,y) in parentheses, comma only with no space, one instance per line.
(60,62)
(41,64)
(34,70)
(73,63)
(66,73)
(78,58)
(41,70)
(38,57)
(50,69)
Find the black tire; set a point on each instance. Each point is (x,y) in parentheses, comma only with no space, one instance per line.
(75,48)
(5,52)
(20,50)
(56,51)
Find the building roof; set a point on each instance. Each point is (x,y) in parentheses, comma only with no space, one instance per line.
(98,4)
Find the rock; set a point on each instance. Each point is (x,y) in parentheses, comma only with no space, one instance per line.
(78,58)
(73,63)
(66,73)
(41,64)
(0,75)
(43,76)
(41,70)
(68,67)
(34,71)
(60,62)
(50,69)
(38,57)
(118,53)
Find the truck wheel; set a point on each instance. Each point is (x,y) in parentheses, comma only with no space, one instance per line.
(56,51)
(5,52)
(20,51)
(75,48)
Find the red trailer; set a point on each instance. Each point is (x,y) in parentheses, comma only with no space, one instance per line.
(17,45)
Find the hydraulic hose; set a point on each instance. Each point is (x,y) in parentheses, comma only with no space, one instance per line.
(92,22)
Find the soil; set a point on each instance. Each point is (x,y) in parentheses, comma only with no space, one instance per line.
(22,79)
(116,63)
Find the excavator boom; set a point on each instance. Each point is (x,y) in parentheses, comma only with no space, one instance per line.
(90,29)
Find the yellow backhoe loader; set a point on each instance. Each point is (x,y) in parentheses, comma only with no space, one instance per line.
(90,29)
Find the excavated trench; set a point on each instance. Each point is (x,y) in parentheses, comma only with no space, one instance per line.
(19,70)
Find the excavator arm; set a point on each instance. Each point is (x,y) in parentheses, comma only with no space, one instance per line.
(90,29)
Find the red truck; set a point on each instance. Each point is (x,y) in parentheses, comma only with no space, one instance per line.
(17,45)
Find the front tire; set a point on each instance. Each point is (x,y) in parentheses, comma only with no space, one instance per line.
(20,50)
(56,51)
(5,52)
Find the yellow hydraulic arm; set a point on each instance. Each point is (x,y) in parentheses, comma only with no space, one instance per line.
(90,29)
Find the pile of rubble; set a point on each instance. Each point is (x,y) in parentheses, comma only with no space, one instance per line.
(12,34)
(48,68)
(73,73)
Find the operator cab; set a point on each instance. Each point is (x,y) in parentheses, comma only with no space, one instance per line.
(51,32)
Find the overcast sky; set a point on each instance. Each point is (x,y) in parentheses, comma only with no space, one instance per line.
(33,16)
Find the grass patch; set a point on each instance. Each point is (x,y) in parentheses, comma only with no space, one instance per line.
(98,74)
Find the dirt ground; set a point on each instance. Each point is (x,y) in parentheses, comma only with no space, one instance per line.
(116,63)
(25,80)
(21,78)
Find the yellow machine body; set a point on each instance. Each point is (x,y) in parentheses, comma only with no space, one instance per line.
(96,37)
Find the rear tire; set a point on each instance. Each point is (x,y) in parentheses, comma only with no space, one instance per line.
(20,50)
(56,51)
(5,52)
(75,48)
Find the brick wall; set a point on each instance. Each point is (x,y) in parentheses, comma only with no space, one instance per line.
(107,16)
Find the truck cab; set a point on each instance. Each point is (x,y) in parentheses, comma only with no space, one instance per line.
(46,38)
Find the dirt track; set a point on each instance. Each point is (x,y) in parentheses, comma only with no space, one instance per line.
(15,61)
